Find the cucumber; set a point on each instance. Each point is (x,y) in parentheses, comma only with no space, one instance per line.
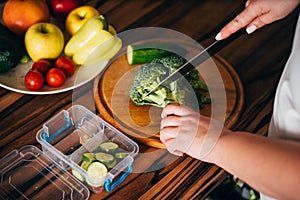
(88,157)
(84,165)
(77,175)
(109,147)
(96,172)
(111,164)
(105,158)
(144,53)
(121,155)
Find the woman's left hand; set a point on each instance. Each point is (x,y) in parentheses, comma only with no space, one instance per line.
(185,131)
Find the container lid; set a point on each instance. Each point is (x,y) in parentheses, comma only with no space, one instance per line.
(28,173)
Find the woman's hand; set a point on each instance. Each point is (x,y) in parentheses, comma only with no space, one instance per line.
(257,14)
(185,131)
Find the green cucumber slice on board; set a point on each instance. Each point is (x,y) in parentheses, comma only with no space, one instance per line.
(144,53)
(96,172)
(109,147)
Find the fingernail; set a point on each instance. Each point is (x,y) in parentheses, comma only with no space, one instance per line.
(218,36)
(251,29)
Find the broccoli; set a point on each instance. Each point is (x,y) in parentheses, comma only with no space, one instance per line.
(150,74)
(174,62)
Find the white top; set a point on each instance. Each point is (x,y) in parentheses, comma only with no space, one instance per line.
(285,121)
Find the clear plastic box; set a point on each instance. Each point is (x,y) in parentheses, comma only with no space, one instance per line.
(65,138)
(28,173)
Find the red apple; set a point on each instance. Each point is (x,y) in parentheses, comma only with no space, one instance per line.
(61,8)
(66,65)
(19,15)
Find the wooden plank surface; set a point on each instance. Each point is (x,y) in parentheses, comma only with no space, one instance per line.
(258,60)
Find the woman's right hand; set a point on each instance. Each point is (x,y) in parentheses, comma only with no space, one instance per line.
(257,14)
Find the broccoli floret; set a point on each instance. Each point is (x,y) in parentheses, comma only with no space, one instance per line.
(173,62)
(194,80)
(150,74)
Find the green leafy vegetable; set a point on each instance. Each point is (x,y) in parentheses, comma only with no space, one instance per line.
(150,74)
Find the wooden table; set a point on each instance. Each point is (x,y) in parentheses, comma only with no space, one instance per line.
(258,59)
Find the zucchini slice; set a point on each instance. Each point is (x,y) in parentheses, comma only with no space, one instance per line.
(84,165)
(77,175)
(105,158)
(88,157)
(96,172)
(121,155)
(109,147)
(111,164)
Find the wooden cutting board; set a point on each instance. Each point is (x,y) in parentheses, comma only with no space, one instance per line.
(142,123)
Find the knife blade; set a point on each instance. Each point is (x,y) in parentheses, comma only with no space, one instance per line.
(199,58)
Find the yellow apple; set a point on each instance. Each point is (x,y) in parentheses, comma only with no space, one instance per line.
(44,41)
(79,16)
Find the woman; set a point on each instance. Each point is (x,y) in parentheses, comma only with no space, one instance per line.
(276,170)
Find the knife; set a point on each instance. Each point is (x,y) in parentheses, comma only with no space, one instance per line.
(198,59)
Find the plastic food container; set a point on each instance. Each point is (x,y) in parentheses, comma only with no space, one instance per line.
(28,173)
(68,140)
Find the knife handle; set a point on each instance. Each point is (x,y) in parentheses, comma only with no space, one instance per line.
(220,44)
(208,52)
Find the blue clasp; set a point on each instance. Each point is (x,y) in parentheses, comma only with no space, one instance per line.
(109,187)
(59,131)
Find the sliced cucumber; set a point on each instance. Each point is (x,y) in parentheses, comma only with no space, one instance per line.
(111,164)
(144,53)
(121,155)
(88,157)
(96,172)
(84,165)
(104,157)
(77,175)
(107,159)
(109,147)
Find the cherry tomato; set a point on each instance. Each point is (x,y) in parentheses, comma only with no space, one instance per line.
(55,77)
(42,66)
(65,64)
(34,80)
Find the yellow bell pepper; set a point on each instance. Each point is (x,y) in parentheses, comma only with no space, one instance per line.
(92,42)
